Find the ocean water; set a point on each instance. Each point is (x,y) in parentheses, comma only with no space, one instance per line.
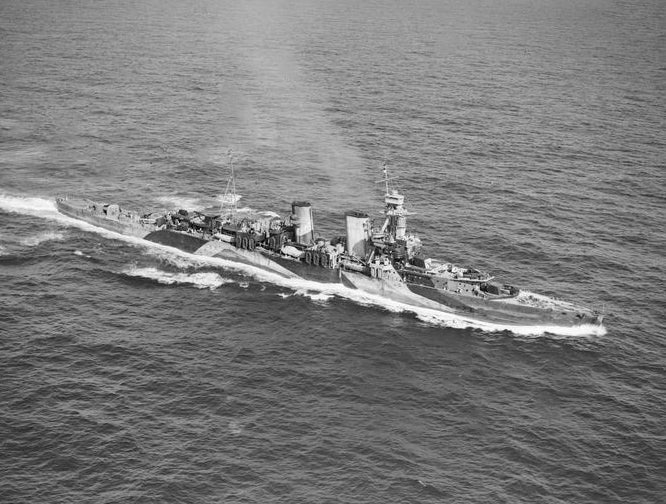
(528,138)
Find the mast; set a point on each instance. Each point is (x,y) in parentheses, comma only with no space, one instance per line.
(230,191)
(396,215)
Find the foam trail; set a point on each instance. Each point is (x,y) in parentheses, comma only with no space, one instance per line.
(437,318)
(32,241)
(319,297)
(81,254)
(46,208)
(228,199)
(199,280)
(323,292)
(175,201)
(39,207)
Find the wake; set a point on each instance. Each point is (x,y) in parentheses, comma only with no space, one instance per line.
(199,280)
(317,292)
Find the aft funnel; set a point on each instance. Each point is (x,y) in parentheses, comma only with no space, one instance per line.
(303,222)
(358,233)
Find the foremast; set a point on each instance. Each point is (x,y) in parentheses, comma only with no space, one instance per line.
(229,197)
(392,239)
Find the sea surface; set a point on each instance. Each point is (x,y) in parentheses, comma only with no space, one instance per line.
(528,137)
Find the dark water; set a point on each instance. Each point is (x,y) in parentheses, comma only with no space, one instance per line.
(528,137)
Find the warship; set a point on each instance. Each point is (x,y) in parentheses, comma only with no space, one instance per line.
(380,258)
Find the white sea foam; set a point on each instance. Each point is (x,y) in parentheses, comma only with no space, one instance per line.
(199,280)
(317,296)
(322,292)
(228,199)
(451,320)
(46,208)
(175,201)
(177,259)
(81,254)
(32,241)
(246,210)
(235,427)
(40,207)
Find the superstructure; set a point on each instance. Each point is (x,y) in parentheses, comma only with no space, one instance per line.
(384,260)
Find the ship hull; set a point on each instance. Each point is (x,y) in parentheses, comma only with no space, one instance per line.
(187,242)
(83,210)
(500,311)
(505,311)
(258,258)
(493,311)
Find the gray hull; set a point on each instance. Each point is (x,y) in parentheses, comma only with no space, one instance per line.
(490,310)
(493,311)
(83,210)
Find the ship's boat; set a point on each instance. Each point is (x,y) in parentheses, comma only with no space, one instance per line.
(384,260)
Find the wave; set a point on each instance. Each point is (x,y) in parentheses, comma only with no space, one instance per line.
(38,207)
(46,209)
(22,155)
(33,241)
(199,280)
(176,201)
(317,291)
(187,203)
(319,297)
(228,199)
(323,292)
(449,320)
